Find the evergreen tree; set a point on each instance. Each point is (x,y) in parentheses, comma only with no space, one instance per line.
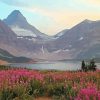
(83,65)
(92,65)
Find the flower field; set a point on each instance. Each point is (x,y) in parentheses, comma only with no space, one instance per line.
(24,84)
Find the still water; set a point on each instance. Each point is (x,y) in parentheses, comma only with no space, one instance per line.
(58,65)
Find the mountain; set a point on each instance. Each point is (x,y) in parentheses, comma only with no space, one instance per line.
(7,36)
(18,23)
(58,35)
(83,40)
(92,52)
(10,42)
(20,38)
(6,56)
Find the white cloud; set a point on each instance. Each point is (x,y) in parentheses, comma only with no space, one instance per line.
(17,3)
(62,18)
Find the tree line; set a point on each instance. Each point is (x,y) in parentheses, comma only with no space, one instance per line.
(91,66)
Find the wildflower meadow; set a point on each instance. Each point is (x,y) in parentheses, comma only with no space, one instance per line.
(25,84)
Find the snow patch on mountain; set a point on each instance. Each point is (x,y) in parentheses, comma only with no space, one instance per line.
(57,51)
(66,50)
(19,37)
(23,32)
(81,38)
(60,34)
(42,49)
(60,50)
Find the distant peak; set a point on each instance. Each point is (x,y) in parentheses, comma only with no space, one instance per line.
(15,17)
(87,21)
(16,11)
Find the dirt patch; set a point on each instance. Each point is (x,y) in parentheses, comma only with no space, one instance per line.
(3,62)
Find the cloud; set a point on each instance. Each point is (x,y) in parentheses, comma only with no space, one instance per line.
(95,3)
(64,19)
(62,13)
(42,3)
(18,3)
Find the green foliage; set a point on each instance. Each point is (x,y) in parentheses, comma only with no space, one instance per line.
(3,67)
(56,89)
(35,88)
(6,94)
(69,92)
(18,92)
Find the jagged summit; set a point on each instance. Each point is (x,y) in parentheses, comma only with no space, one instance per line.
(15,12)
(19,24)
(15,18)
(88,21)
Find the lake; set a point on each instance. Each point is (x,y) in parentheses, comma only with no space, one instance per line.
(57,65)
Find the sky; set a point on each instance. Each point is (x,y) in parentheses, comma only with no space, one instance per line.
(52,16)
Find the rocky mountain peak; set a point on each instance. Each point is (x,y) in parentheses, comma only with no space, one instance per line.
(15,17)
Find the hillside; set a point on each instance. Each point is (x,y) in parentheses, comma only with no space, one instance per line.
(6,56)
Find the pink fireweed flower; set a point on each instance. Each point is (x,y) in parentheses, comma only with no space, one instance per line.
(88,93)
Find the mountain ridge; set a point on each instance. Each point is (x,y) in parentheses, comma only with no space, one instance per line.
(19,24)
(67,44)
(6,56)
